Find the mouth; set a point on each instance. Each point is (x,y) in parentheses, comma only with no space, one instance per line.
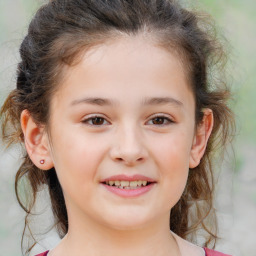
(129,186)
(126,184)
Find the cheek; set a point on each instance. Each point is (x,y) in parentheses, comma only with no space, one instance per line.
(75,157)
(175,167)
(174,152)
(173,162)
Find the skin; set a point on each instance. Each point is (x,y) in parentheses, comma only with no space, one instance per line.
(127,140)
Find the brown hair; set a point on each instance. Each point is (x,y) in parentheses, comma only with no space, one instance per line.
(62,29)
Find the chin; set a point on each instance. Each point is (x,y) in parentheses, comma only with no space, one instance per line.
(128,221)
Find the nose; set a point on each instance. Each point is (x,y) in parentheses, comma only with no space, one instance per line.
(128,147)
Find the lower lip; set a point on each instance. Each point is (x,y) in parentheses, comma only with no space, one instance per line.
(129,192)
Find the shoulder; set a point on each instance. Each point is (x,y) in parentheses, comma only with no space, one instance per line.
(209,252)
(187,248)
(42,254)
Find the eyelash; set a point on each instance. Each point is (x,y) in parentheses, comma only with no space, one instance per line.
(165,118)
(169,121)
(86,121)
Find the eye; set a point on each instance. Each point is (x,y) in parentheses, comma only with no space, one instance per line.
(95,121)
(161,120)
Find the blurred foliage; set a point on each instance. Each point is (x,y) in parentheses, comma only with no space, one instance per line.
(15,15)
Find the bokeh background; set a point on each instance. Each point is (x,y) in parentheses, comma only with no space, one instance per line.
(236,198)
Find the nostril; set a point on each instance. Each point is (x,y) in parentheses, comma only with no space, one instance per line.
(129,161)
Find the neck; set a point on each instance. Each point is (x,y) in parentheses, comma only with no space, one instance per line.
(89,238)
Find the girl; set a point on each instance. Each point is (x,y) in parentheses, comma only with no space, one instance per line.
(120,108)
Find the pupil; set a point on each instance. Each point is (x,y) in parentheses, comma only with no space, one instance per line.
(158,120)
(98,120)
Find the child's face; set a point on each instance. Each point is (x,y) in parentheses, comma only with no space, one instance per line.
(127,84)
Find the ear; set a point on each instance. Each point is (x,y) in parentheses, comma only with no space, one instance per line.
(202,134)
(36,142)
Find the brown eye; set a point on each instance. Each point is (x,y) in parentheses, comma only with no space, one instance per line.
(158,120)
(95,121)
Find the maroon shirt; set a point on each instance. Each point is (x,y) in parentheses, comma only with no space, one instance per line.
(208,252)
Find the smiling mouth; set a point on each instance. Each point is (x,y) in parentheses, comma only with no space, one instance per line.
(124,184)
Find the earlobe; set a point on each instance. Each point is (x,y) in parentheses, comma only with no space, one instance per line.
(36,142)
(201,137)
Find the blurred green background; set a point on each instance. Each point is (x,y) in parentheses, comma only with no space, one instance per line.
(236,200)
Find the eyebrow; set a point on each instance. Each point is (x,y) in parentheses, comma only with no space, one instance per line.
(109,102)
(95,101)
(162,101)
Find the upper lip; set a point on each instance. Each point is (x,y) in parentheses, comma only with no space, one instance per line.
(128,178)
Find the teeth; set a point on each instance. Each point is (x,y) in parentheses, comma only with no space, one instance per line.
(124,183)
(127,184)
(133,183)
(117,183)
(139,183)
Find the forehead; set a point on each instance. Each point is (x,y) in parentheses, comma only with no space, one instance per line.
(127,67)
(132,51)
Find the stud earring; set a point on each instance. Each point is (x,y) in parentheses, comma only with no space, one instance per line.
(42,161)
